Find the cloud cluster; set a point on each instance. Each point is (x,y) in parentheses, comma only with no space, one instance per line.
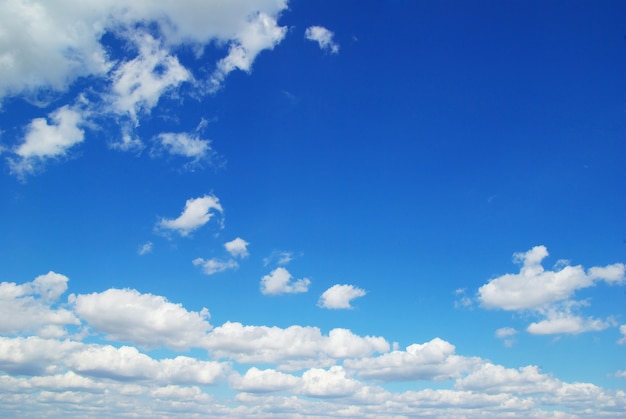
(279,281)
(549,293)
(298,370)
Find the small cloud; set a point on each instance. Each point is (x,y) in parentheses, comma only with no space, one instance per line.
(47,139)
(237,247)
(506,334)
(279,257)
(145,248)
(197,212)
(214,265)
(279,281)
(184,145)
(340,296)
(323,37)
(463,300)
(620,374)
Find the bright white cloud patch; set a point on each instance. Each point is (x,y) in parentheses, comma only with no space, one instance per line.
(548,294)
(333,382)
(44,140)
(323,37)
(197,212)
(29,307)
(340,296)
(146,320)
(279,281)
(185,145)
(214,265)
(264,381)
(534,287)
(237,247)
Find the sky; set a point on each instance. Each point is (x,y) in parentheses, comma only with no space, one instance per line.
(279,209)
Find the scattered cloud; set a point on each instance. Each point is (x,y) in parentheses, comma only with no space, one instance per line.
(434,360)
(318,382)
(340,296)
(506,334)
(323,37)
(197,212)
(214,265)
(620,374)
(30,307)
(264,381)
(44,140)
(149,321)
(548,294)
(184,145)
(145,248)
(279,281)
(278,257)
(237,247)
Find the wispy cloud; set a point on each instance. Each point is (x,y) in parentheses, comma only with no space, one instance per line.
(323,37)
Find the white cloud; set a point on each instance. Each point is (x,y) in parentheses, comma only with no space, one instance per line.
(214,265)
(260,32)
(323,37)
(237,247)
(28,307)
(492,379)
(137,85)
(146,320)
(505,332)
(247,344)
(534,287)
(145,248)
(434,360)
(340,296)
(197,213)
(620,374)
(279,281)
(44,141)
(185,145)
(622,330)
(333,382)
(279,257)
(264,381)
(565,322)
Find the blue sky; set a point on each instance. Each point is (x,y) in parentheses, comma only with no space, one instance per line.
(312,209)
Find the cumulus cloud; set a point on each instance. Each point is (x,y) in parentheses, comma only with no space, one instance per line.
(29,307)
(263,344)
(237,247)
(492,378)
(340,296)
(197,212)
(434,360)
(317,382)
(214,265)
(323,37)
(147,320)
(548,293)
(534,287)
(264,381)
(46,140)
(279,281)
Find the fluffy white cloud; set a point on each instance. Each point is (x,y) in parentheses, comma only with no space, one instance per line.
(48,44)
(260,32)
(492,379)
(45,140)
(139,83)
(28,307)
(566,322)
(146,320)
(434,360)
(247,344)
(237,247)
(323,37)
(197,212)
(340,296)
(214,265)
(333,382)
(263,381)
(279,281)
(34,355)
(533,287)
